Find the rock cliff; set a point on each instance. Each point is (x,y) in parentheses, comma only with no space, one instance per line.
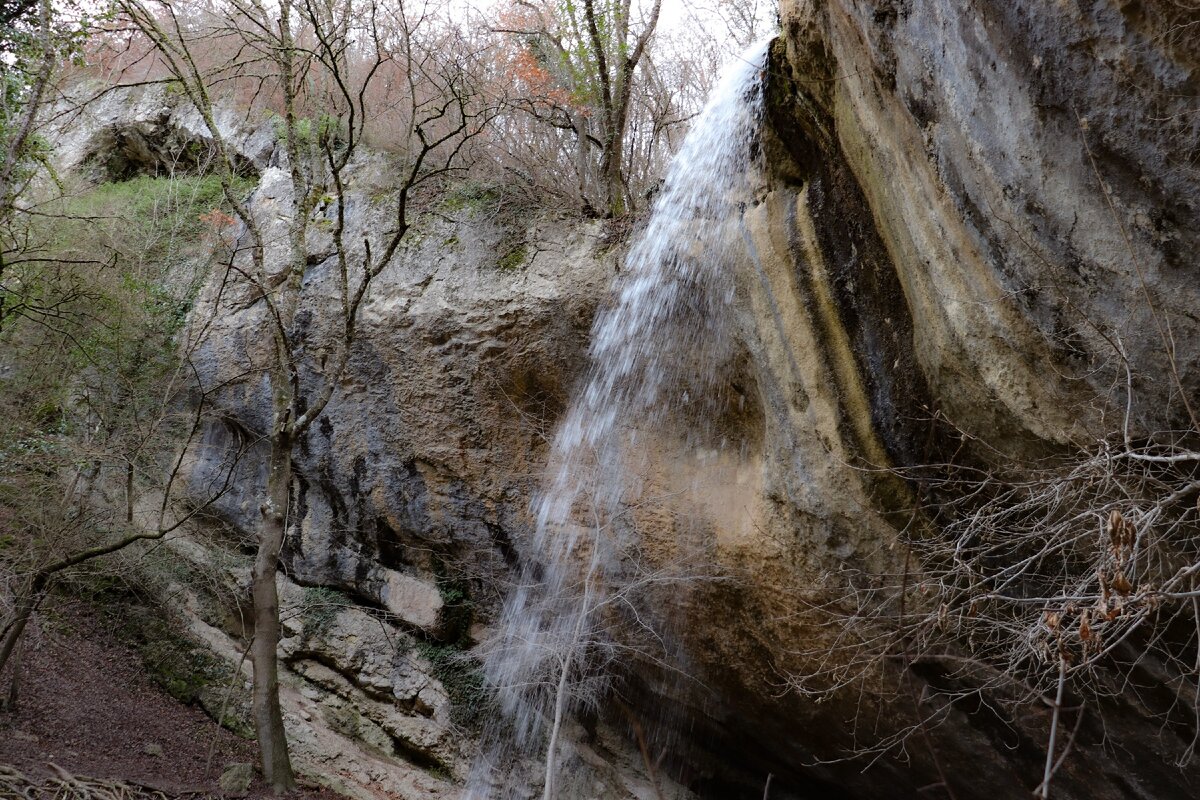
(971,257)
(412,485)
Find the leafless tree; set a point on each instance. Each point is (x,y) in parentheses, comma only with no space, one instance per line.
(582,64)
(90,385)
(350,61)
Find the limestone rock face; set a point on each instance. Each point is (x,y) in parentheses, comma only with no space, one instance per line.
(412,485)
(421,468)
(118,132)
(973,246)
(1028,203)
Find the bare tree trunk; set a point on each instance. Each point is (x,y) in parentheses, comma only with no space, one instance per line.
(129,492)
(23,609)
(268,716)
(614,177)
(560,706)
(14,684)
(615,93)
(579,121)
(316,70)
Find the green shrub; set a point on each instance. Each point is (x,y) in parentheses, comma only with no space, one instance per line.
(462,678)
(146,220)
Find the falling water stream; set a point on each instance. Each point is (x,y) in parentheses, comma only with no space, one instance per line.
(654,357)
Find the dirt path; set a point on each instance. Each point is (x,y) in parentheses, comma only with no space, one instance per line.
(87,706)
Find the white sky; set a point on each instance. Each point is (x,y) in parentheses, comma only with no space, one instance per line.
(675,15)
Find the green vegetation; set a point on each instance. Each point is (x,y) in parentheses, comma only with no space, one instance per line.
(92,304)
(462,678)
(471,196)
(513,258)
(114,254)
(183,669)
(457,609)
(326,129)
(457,670)
(146,220)
(319,608)
(106,282)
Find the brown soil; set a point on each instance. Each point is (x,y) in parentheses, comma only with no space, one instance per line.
(87,706)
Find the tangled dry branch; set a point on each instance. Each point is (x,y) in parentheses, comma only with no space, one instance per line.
(1083,573)
(14,785)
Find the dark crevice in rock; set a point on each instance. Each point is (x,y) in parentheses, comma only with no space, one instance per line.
(871,307)
(155,148)
(716,749)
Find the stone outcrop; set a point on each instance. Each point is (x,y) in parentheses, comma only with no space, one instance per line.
(972,247)
(1025,203)
(413,482)
(115,133)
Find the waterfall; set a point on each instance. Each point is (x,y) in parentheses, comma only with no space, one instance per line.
(654,356)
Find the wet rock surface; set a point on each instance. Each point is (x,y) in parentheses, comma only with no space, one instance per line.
(967,237)
(1025,203)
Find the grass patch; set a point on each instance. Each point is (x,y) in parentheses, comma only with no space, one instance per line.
(471,196)
(319,608)
(513,259)
(145,219)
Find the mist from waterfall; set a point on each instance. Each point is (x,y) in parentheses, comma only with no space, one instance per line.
(654,357)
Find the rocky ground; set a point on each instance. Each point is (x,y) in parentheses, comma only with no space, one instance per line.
(87,706)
